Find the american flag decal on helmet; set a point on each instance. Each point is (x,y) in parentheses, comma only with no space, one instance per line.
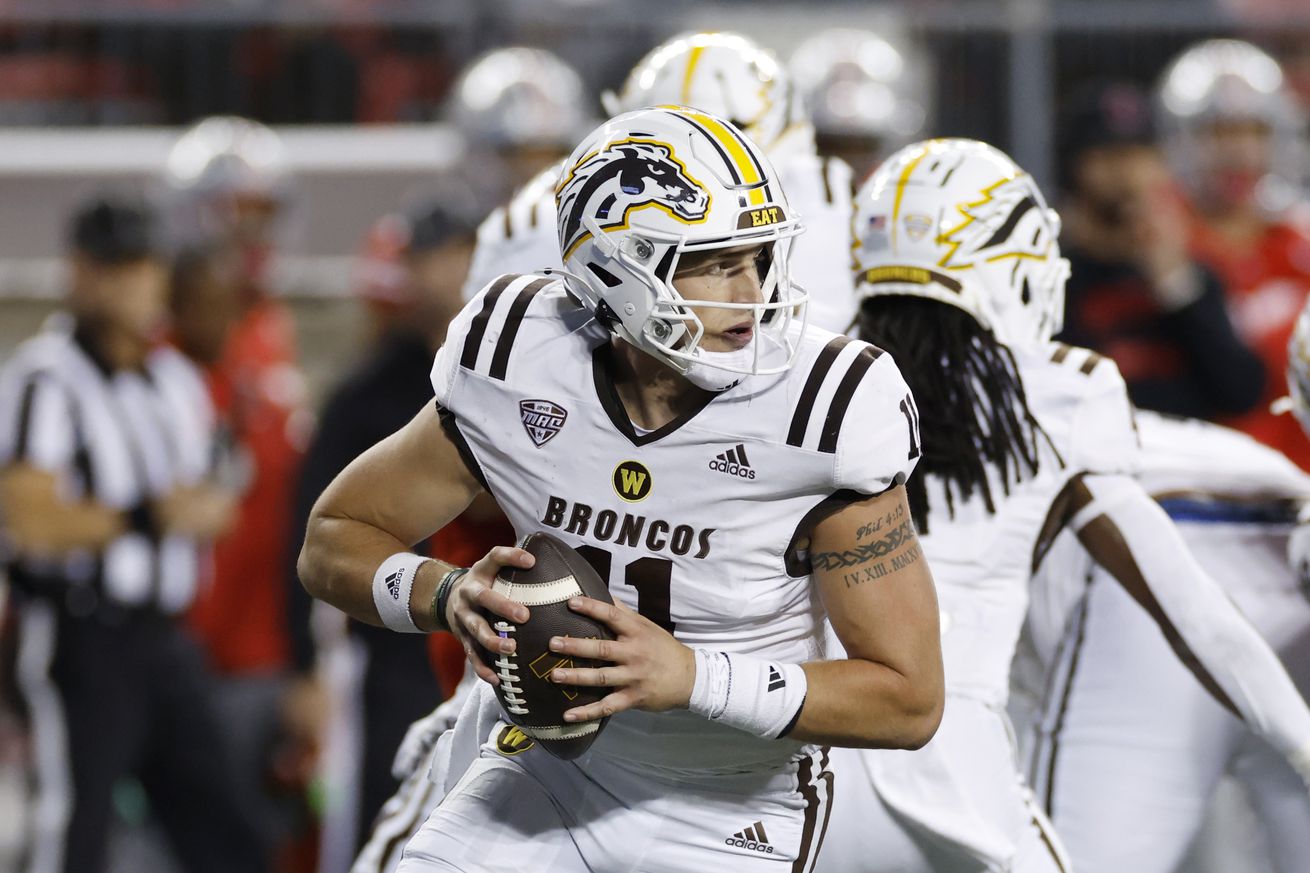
(542,420)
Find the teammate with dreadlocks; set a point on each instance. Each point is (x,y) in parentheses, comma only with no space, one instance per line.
(962,282)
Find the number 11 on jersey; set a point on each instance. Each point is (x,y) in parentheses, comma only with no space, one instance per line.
(652,577)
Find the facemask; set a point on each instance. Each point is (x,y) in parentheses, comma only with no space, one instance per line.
(713,371)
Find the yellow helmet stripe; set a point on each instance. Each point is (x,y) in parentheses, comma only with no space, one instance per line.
(693,58)
(900,190)
(749,171)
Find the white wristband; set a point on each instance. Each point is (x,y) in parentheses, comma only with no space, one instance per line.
(392,584)
(756,696)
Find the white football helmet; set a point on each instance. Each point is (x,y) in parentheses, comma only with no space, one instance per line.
(957,221)
(1227,80)
(648,186)
(856,83)
(228,155)
(724,74)
(225,177)
(517,97)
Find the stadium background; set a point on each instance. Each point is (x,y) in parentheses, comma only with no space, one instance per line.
(93,94)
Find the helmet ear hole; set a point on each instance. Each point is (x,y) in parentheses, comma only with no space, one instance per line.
(664,269)
(604,275)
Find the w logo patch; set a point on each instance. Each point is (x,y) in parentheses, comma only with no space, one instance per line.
(542,420)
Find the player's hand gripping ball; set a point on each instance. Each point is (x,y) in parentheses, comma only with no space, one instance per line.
(530,699)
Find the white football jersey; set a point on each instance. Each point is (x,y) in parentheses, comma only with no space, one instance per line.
(521,237)
(982,562)
(695,524)
(1234,500)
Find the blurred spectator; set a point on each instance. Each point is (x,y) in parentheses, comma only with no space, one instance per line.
(1235,137)
(263,708)
(866,94)
(228,186)
(105,457)
(228,189)
(409,280)
(1135,293)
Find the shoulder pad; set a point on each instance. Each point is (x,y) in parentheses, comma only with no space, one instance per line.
(852,403)
(1082,404)
(513,313)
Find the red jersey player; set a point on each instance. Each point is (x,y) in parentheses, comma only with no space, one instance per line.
(1233,133)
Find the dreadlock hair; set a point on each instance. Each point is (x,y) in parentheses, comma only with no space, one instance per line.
(972,406)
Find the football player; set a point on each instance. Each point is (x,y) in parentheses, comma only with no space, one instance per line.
(866,94)
(520,110)
(673,340)
(728,75)
(1127,747)
(962,282)
(1234,135)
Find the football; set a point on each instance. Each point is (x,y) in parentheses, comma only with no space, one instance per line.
(534,703)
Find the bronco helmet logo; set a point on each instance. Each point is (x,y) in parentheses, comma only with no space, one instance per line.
(620,178)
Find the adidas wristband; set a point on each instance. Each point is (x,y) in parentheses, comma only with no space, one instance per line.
(392,584)
(753,695)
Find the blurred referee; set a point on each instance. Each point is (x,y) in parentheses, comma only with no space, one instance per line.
(104,451)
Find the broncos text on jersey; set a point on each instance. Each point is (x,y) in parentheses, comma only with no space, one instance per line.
(525,390)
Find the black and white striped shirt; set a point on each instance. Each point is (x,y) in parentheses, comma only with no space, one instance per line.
(121,438)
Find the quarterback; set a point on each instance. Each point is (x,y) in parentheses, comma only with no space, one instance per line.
(617,405)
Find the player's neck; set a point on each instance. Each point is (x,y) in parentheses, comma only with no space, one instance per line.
(651,392)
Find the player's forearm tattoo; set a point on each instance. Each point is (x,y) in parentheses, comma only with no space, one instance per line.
(864,558)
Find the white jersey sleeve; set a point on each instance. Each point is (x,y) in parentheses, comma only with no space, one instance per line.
(1082,403)
(474,344)
(1204,626)
(518,237)
(1184,455)
(37,425)
(878,445)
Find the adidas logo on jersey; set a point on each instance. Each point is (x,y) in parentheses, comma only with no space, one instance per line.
(734,463)
(752,838)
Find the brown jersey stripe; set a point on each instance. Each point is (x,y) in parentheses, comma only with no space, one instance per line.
(841,401)
(825,775)
(1112,553)
(1090,364)
(805,784)
(1061,352)
(822,364)
(478,329)
(500,361)
(1063,711)
(827,183)
(1050,846)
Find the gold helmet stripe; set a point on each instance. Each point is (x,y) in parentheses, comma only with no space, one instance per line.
(747,168)
(693,59)
(900,190)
